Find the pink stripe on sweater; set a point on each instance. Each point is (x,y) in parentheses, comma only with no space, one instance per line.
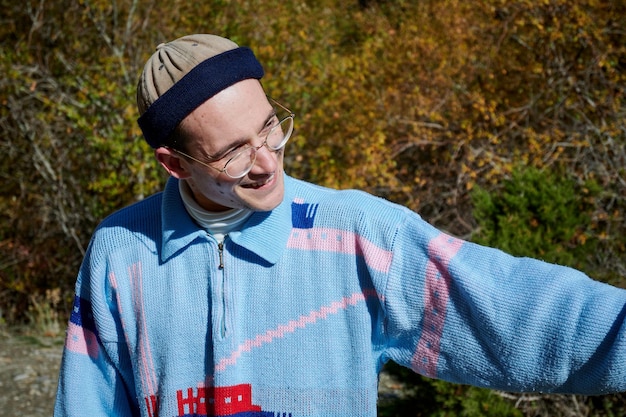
(81,340)
(341,241)
(146,366)
(293,325)
(441,250)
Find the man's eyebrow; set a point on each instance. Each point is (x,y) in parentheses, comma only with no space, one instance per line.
(270,116)
(241,141)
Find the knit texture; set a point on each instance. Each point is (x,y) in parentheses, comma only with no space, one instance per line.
(197,86)
(313,298)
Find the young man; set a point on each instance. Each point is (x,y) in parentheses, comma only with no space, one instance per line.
(239,290)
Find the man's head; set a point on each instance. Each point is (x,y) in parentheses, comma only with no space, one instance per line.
(201,103)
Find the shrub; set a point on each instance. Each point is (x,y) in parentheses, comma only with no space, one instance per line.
(539,214)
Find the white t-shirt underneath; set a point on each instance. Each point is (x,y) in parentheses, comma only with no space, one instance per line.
(217,223)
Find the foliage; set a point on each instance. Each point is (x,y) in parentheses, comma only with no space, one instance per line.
(420,102)
(74,154)
(540,214)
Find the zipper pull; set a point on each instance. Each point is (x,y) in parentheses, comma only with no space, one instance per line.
(220,247)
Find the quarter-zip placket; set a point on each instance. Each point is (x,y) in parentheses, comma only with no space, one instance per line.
(221,295)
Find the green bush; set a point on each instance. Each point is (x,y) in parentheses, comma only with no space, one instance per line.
(539,214)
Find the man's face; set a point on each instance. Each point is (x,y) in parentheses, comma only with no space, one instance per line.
(235,117)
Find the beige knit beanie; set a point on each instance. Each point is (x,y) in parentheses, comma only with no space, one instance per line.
(184,73)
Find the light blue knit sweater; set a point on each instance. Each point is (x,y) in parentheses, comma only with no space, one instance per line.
(300,310)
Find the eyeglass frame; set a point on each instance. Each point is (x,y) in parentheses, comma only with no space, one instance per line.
(291,115)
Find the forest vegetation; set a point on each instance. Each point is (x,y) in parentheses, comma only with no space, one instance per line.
(499,121)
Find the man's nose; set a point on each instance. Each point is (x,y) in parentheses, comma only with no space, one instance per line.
(266,160)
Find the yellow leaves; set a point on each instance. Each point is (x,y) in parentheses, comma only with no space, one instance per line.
(420,102)
(130,111)
(267,51)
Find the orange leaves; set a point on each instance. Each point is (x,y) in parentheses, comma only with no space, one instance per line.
(421,102)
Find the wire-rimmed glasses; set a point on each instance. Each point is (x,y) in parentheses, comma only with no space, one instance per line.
(244,158)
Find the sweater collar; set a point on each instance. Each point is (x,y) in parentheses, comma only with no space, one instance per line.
(264,234)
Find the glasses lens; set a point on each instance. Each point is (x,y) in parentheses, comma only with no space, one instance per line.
(279,135)
(240,164)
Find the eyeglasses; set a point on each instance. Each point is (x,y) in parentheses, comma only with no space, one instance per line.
(243,160)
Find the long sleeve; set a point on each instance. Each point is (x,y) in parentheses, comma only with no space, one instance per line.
(95,369)
(489,319)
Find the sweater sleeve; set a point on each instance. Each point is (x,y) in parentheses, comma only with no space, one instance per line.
(476,315)
(96,376)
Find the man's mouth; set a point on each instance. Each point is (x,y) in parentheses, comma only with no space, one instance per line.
(257,185)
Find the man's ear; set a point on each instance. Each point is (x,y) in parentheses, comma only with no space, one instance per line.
(172,162)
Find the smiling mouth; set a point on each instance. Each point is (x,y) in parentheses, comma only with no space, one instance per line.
(258,185)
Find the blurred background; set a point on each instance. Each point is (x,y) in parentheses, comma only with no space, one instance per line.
(499,121)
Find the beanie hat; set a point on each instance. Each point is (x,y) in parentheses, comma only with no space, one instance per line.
(183,74)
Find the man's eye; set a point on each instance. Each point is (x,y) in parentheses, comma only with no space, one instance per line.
(232,152)
(271,123)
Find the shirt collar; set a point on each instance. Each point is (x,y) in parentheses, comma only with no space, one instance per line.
(264,234)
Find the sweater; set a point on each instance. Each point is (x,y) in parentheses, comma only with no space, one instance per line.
(296,313)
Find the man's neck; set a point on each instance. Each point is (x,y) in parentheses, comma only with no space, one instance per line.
(217,223)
